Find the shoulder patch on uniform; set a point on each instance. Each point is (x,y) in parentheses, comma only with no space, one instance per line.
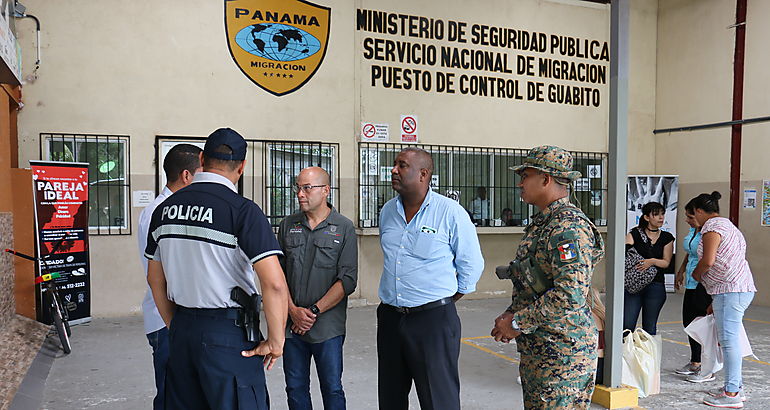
(567,251)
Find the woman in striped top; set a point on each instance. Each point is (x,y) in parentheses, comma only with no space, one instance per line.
(724,272)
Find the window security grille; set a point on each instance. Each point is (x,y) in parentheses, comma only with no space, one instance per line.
(271,171)
(109,161)
(479,178)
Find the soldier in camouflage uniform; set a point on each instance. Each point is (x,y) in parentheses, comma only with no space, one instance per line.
(549,318)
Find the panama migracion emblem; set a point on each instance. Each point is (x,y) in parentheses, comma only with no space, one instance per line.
(277,44)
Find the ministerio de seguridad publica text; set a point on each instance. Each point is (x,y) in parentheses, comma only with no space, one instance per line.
(493,69)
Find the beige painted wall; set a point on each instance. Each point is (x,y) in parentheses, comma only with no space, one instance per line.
(695,77)
(164,69)
(641,87)
(694,62)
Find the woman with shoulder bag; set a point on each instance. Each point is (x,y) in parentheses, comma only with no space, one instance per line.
(652,249)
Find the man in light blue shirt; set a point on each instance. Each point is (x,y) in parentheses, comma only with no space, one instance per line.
(432,258)
(180,165)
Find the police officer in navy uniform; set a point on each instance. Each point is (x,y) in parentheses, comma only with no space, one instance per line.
(204,241)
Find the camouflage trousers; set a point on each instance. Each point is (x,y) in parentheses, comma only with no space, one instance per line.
(556,381)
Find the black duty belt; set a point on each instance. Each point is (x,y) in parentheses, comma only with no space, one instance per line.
(427,306)
(218,313)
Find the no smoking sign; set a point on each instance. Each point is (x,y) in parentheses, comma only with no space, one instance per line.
(374,132)
(409,128)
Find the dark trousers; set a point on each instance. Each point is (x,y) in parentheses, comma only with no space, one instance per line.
(328,362)
(205,367)
(649,301)
(159,342)
(695,303)
(422,347)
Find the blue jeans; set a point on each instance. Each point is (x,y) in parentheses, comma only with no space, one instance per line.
(159,342)
(328,363)
(649,301)
(728,317)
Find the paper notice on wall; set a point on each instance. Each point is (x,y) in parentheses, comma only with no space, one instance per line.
(434,182)
(142,198)
(766,203)
(596,198)
(371,160)
(582,184)
(385,173)
(594,171)
(750,198)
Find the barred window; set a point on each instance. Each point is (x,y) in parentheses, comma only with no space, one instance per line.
(480,179)
(284,161)
(108,158)
(271,171)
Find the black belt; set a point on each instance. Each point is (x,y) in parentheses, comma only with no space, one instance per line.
(216,313)
(429,305)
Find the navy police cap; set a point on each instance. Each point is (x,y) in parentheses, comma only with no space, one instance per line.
(229,137)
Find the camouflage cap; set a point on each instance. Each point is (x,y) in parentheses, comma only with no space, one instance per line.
(550,159)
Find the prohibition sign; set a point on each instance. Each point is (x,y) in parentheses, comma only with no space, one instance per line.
(368,131)
(408,125)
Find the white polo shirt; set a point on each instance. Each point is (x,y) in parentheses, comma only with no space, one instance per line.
(207,237)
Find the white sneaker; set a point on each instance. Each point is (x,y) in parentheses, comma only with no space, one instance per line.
(701,378)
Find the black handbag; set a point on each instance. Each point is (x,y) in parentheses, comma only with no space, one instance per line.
(634,280)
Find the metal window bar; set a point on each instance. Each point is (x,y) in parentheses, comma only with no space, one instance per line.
(283,162)
(271,170)
(109,159)
(462,170)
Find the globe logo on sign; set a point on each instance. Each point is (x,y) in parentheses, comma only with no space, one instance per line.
(277,42)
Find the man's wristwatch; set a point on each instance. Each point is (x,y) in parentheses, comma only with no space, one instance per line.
(515,325)
(314,308)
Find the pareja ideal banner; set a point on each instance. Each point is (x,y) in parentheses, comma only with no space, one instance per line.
(61,226)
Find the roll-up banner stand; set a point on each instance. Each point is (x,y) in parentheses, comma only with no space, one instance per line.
(60,192)
(664,189)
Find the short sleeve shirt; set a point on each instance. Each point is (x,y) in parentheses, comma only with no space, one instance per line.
(730,272)
(207,237)
(654,250)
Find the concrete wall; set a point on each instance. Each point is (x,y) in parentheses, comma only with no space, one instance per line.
(164,69)
(694,86)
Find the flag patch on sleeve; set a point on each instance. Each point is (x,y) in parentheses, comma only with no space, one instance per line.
(567,252)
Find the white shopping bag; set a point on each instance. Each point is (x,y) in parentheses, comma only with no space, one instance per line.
(641,361)
(704,331)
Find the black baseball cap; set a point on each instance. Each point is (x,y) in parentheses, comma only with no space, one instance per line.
(229,137)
